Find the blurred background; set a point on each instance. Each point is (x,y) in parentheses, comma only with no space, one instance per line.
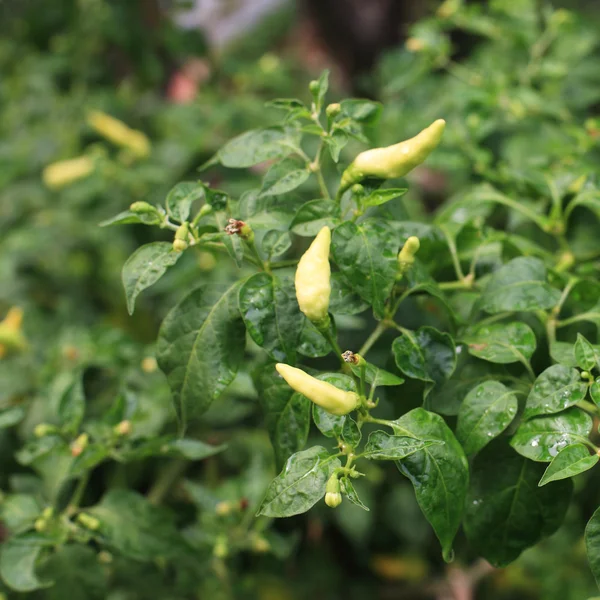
(518,82)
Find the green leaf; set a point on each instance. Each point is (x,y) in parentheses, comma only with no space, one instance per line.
(135,528)
(18,558)
(378,197)
(425,354)
(256,146)
(71,406)
(501,343)
(145,267)
(321,90)
(343,299)
(506,510)
(585,355)
(520,285)
(300,485)
(200,347)
(439,473)
(336,141)
(11,416)
(486,412)
(314,215)
(564,353)
(312,342)
(363,111)
(382,446)
(377,377)
(128,217)
(556,388)
(287,414)
(19,511)
(275,243)
(284,176)
(270,311)
(542,438)
(595,392)
(592,544)
(569,462)
(367,255)
(181,197)
(347,488)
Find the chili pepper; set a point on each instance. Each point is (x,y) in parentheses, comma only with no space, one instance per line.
(117,132)
(65,172)
(181,238)
(333,497)
(406,256)
(396,160)
(313,275)
(332,399)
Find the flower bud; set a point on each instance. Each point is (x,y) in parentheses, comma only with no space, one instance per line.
(406,256)
(333,497)
(64,172)
(394,161)
(43,429)
(235,226)
(313,279)
(142,208)
(88,521)
(333,110)
(332,399)
(149,364)
(181,237)
(80,444)
(220,549)
(123,428)
(313,87)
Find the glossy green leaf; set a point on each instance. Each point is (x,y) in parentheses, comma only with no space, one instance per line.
(363,111)
(128,217)
(256,146)
(520,285)
(585,354)
(506,510)
(564,353)
(287,414)
(314,215)
(367,255)
(336,141)
(312,342)
(556,388)
(486,412)
(347,488)
(377,377)
(145,267)
(300,485)
(501,343)
(18,559)
(426,354)
(181,197)
(283,177)
(592,544)
(378,197)
(569,462)
(439,473)
(382,446)
(329,425)
(275,243)
(19,511)
(135,528)
(270,311)
(595,392)
(200,347)
(542,438)
(343,299)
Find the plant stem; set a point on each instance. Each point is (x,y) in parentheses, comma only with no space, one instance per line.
(316,167)
(79,490)
(377,333)
(166,480)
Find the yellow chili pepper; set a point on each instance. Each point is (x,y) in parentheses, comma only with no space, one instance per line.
(65,172)
(11,336)
(332,399)
(396,160)
(117,132)
(406,256)
(313,279)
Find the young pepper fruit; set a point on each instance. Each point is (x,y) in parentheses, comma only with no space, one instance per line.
(327,396)
(313,279)
(394,161)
